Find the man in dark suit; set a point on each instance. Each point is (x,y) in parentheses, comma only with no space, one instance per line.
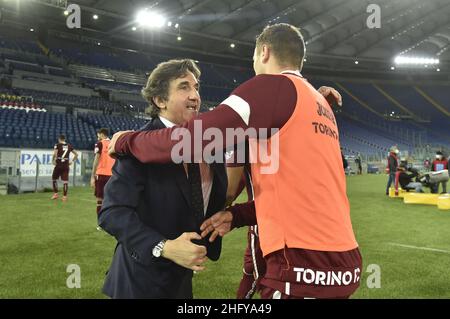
(155,211)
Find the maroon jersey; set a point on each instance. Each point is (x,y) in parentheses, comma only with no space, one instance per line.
(63,153)
(98,147)
(439,165)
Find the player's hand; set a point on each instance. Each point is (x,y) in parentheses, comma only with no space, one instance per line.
(92,181)
(219,224)
(112,143)
(331,95)
(70,163)
(185,253)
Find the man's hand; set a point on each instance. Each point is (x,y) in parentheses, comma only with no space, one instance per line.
(92,181)
(185,253)
(219,224)
(115,138)
(331,95)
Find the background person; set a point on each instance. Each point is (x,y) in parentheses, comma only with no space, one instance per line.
(102,166)
(61,161)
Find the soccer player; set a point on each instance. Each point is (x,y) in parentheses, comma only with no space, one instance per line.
(61,161)
(102,166)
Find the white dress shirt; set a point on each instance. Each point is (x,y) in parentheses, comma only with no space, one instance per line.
(205,173)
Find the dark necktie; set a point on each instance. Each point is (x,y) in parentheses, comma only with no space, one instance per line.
(195,183)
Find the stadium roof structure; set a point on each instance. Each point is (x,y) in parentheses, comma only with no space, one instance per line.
(340,34)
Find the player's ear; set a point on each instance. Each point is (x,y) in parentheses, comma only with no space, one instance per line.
(265,53)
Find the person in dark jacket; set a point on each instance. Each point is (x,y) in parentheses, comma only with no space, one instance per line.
(392,164)
(155,211)
(405,176)
(358,161)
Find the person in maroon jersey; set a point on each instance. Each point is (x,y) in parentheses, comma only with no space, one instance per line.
(61,160)
(102,167)
(273,101)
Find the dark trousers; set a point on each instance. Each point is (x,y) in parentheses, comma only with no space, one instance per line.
(390,181)
(435,187)
(185,291)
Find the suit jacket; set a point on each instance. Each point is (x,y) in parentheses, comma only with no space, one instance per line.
(144,204)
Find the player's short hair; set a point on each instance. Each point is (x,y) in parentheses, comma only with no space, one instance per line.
(62,137)
(286,42)
(159,81)
(104,131)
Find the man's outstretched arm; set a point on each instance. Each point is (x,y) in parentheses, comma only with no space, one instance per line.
(263,102)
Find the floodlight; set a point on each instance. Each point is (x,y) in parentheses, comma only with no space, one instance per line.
(150,19)
(401,60)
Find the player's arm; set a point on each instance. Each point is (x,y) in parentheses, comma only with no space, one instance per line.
(269,108)
(221,223)
(94,168)
(55,155)
(156,146)
(97,151)
(389,165)
(75,157)
(331,95)
(235,186)
(251,105)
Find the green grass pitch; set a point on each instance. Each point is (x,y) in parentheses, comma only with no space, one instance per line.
(40,238)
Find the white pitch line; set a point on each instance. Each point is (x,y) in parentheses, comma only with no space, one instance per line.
(421,248)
